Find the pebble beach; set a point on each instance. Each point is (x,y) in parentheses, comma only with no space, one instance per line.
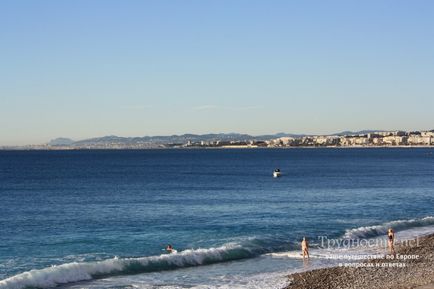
(411,273)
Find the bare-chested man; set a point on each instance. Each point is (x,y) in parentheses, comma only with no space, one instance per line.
(391,240)
(305,248)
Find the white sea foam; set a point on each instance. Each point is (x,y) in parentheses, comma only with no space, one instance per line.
(269,280)
(289,254)
(405,229)
(378,230)
(313,254)
(80,271)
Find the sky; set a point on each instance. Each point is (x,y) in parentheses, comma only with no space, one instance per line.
(83,69)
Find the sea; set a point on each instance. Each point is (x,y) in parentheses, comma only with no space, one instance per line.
(102,218)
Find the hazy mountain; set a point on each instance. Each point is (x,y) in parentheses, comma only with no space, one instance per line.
(172,139)
(347,132)
(154,141)
(61,141)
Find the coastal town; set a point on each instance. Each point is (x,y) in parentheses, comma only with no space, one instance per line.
(395,138)
(366,139)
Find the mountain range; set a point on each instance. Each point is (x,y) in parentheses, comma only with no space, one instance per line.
(180,139)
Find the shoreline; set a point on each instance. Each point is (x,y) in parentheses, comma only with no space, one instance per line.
(413,273)
(219,148)
(417,272)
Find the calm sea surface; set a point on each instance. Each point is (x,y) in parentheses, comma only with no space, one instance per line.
(220,207)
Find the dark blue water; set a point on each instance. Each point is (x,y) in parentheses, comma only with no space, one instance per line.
(64,206)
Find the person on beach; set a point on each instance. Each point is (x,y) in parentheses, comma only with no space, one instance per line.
(305,248)
(391,240)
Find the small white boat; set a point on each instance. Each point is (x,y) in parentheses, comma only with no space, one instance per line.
(276,173)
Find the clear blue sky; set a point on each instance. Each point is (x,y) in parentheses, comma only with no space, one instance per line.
(84,68)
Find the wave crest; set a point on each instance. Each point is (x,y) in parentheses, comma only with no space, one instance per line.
(81,271)
(378,230)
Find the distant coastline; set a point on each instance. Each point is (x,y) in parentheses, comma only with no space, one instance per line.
(363,139)
(216,148)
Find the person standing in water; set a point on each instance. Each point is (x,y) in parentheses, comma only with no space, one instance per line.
(391,240)
(305,248)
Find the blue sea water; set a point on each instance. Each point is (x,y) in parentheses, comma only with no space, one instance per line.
(102,218)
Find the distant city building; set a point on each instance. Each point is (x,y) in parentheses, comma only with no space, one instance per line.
(389,138)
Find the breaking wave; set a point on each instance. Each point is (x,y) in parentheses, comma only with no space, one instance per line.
(378,230)
(81,271)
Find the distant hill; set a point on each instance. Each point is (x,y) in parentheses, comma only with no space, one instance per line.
(162,140)
(61,141)
(156,141)
(347,132)
(191,140)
